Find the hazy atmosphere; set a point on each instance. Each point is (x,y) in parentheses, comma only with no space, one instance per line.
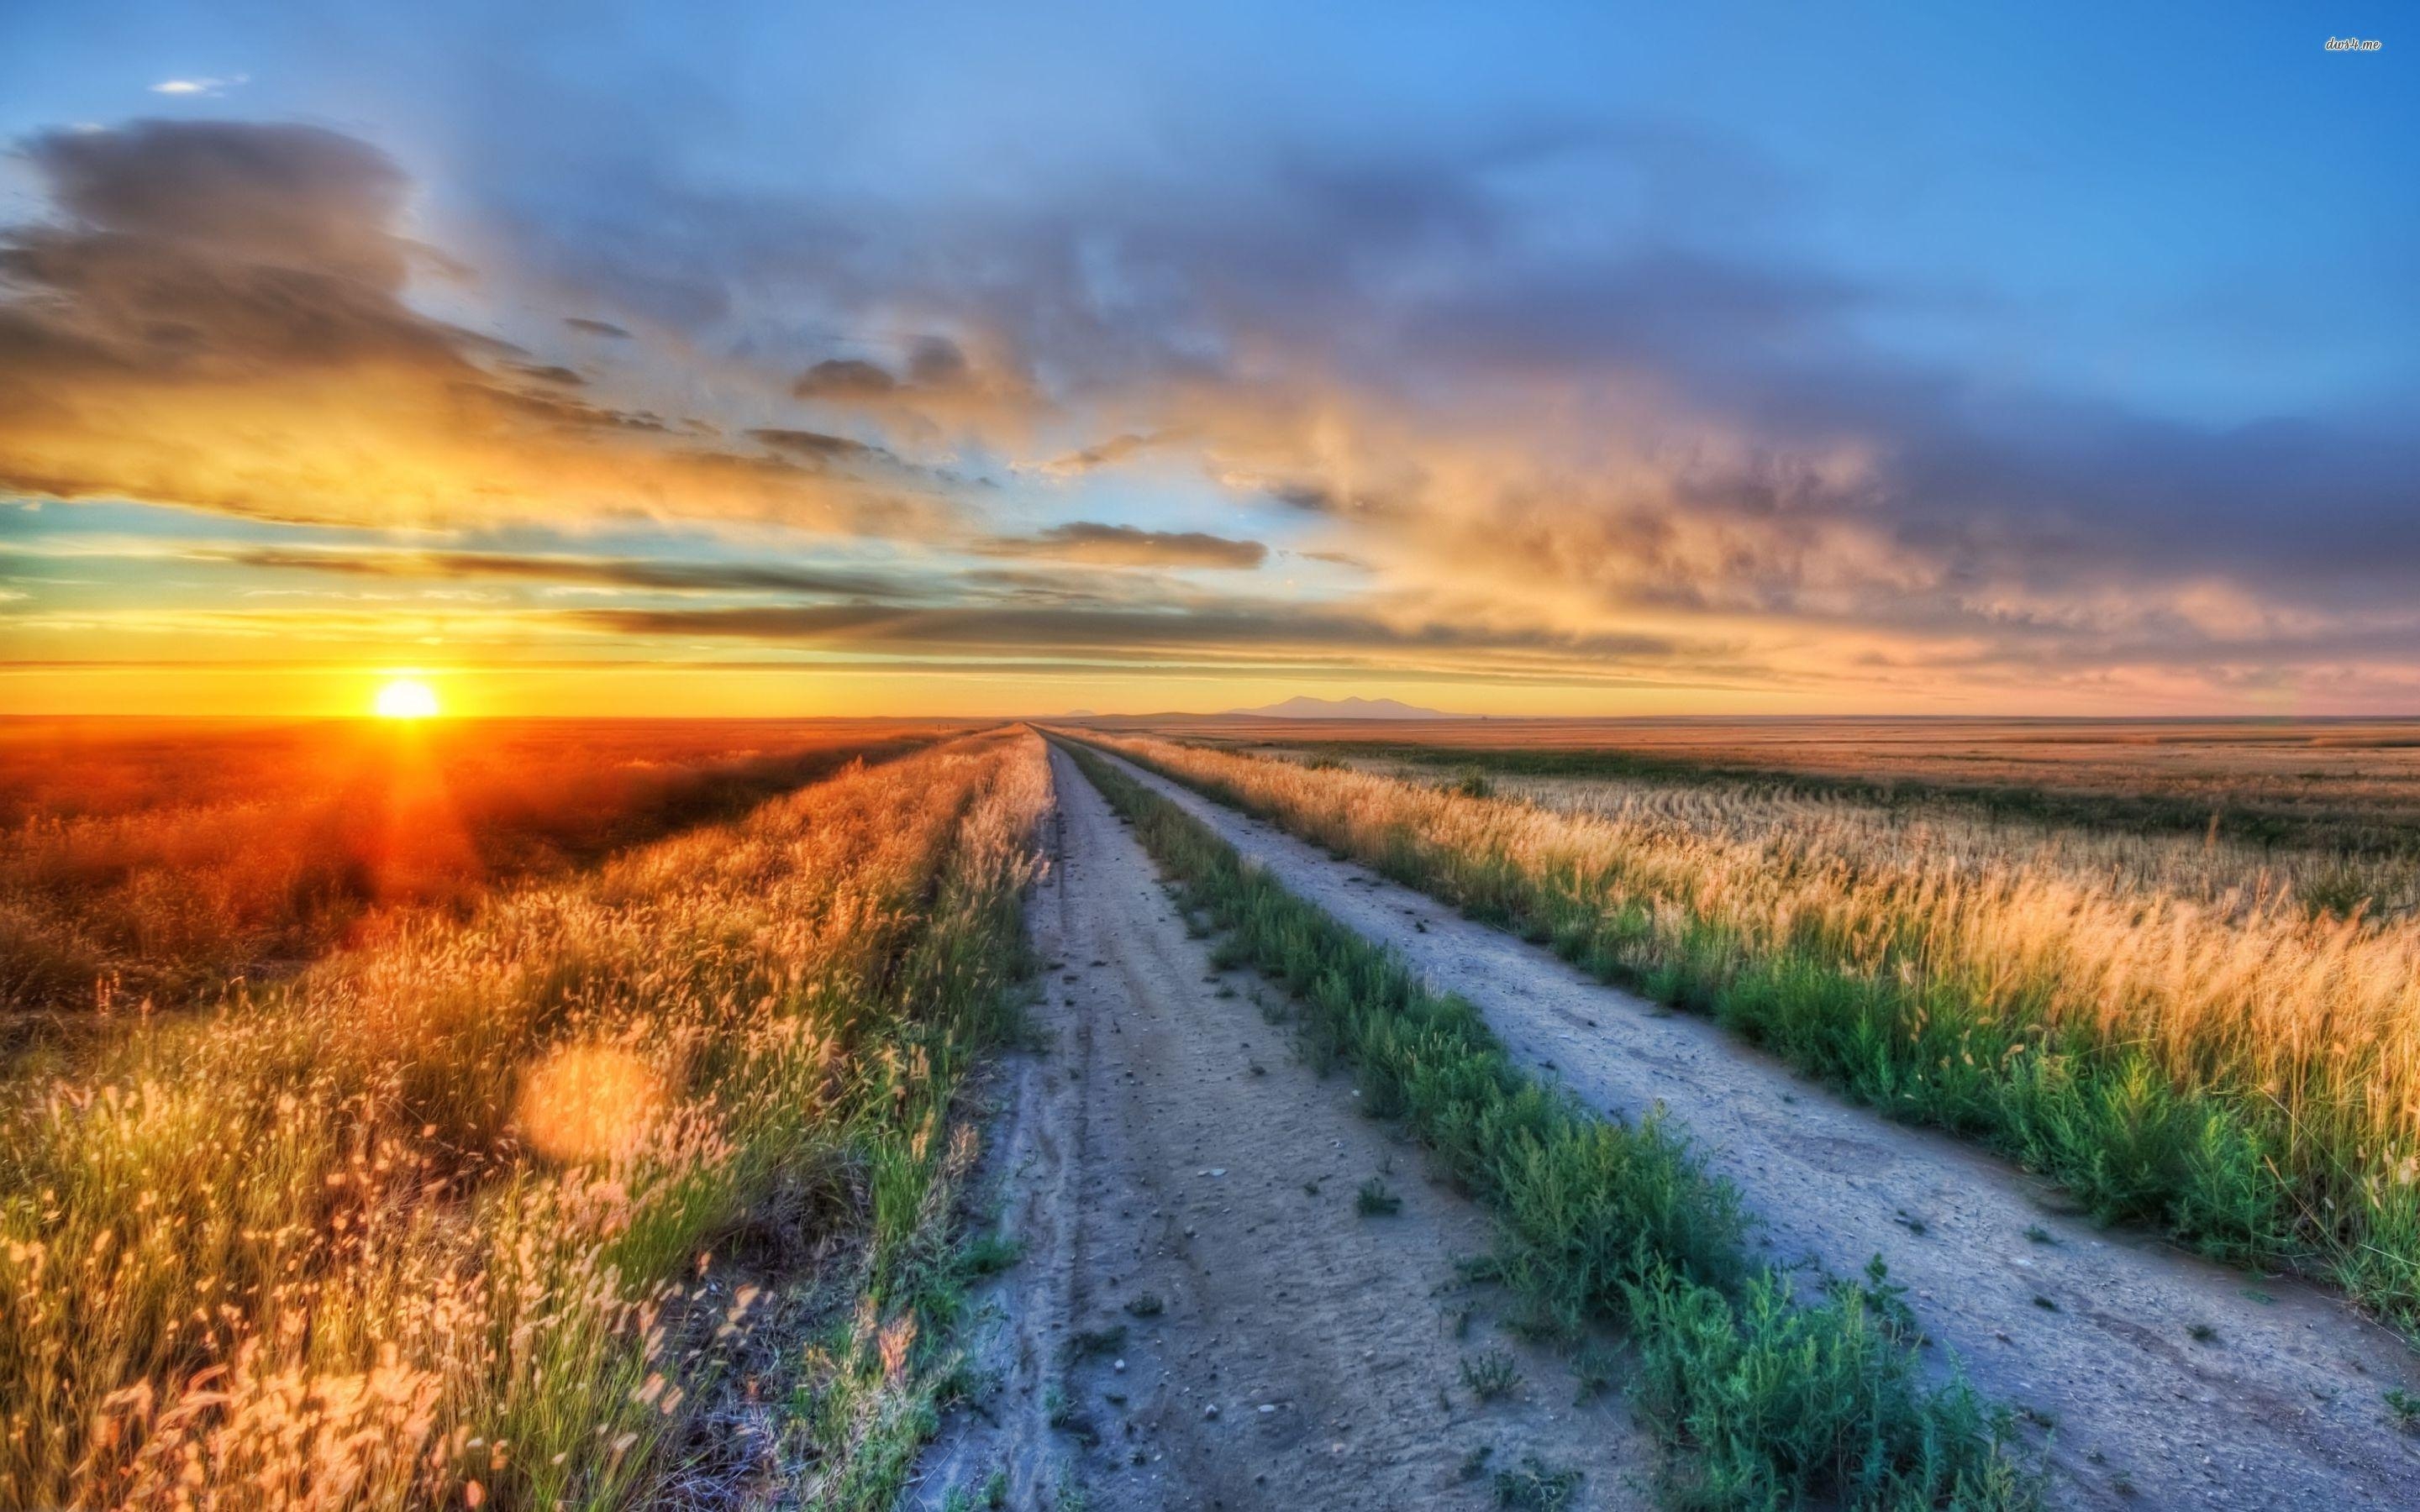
(780,359)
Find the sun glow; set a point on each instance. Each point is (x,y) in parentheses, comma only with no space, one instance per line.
(406,697)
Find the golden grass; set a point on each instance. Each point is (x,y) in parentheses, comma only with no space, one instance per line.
(2304,1024)
(155,859)
(2359,769)
(433,1224)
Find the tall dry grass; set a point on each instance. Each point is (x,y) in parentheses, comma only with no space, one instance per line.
(2209,856)
(155,860)
(2235,1066)
(483,1215)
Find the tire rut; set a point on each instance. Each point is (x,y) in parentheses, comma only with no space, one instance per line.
(2150,1377)
(1165,1144)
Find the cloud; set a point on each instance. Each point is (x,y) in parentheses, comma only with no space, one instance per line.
(1256,629)
(1117,449)
(217,316)
(1659,433)
(843,378)
(550,568)
(205,89)
(1129,546)
(1671,421)
(818,447)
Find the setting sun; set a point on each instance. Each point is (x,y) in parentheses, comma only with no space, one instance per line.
(406,697)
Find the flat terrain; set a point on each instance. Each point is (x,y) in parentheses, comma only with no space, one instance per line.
(157,859)
(2327,772)
(2147,1374)
(1166,1145)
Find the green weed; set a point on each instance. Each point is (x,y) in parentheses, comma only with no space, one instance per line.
(1768,1403)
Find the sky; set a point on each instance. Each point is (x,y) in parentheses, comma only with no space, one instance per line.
(763,356)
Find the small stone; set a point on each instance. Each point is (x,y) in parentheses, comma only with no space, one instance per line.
(1210,1412)
(1268,1407)
(1119,1367)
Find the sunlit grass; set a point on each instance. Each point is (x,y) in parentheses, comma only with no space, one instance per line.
(1766,1400)
(156,862)
(437,1223)
(2237,1067)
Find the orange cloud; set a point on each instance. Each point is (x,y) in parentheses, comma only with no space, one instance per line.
(219,318)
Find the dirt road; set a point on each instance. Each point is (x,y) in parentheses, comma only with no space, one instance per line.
(2152,1378)
(1167,1148)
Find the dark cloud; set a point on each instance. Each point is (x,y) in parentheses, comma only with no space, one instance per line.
(605,572)
(295,197)
(1127,545)
(595,328)
(1108,452)
(1223,625)
(818,446)
(843,378)
(936,379)
(935,361)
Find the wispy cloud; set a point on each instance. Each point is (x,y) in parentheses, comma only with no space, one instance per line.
(1129,545)
(207,88)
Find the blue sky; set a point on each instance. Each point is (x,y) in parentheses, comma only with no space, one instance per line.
(1593,359)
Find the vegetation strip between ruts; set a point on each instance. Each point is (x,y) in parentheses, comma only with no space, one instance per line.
(2257,1139)
(1768,1400)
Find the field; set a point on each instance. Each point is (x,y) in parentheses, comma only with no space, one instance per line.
(2337,786)
(729,1114)
(627,1188)
(2214,1035)
(148,863)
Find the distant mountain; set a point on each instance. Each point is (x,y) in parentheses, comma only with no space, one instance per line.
(1311,708)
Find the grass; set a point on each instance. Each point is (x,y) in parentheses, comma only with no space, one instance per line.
(146,866)
(1491,1374)
(1767,1402)
(623,1187)
(2241,1072)
(1374,1201)
(2352,790)
(1536,1487)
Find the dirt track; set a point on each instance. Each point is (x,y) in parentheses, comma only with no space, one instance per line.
(2279,1406)
(1165,1144)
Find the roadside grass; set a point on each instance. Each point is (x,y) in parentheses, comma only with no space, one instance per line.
(1490,1374)
(630,1188)
(1767,1401)
(2245,1079)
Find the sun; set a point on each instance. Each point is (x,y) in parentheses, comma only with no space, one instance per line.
(406,697)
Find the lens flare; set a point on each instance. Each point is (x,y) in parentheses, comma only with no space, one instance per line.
(590,1103)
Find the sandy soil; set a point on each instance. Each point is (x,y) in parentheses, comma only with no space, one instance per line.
(1165,1144)
(2096,1334)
